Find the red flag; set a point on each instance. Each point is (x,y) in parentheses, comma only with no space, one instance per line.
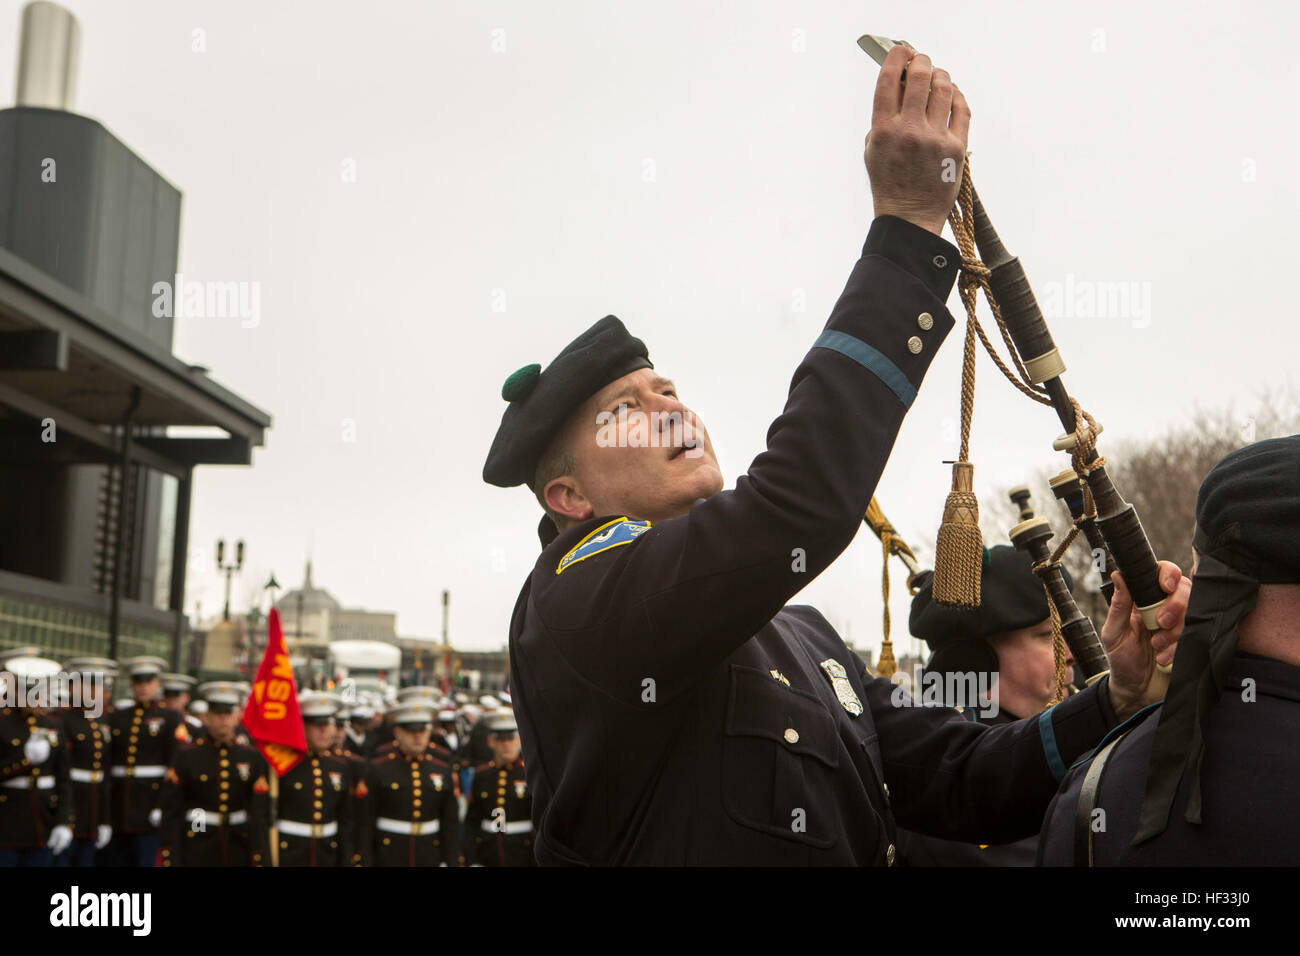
(272,715)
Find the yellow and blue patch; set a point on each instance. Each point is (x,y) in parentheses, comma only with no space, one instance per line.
(611,534)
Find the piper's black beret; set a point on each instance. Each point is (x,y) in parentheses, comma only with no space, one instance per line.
(541,401)
(1011,597)
(1257,490)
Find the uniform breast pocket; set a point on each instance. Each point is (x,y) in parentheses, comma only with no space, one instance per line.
(779,756)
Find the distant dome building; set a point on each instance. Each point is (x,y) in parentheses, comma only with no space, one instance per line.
(314,599)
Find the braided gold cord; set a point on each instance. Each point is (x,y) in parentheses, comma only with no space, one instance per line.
(1058,640)
(975,277)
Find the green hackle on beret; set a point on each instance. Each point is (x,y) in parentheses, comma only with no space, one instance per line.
(521,383)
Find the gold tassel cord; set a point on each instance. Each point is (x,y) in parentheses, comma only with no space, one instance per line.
(891,544)
(959,548)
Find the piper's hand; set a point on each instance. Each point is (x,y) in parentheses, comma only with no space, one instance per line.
(917,144)
(36,750)
(1134,651)
(155,818)
(103,836)
(60,839)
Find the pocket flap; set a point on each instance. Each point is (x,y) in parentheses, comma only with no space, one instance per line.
(795,719)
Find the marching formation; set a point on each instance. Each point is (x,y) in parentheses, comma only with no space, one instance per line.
(160,779)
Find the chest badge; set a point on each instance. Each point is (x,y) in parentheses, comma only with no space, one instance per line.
(521,787)
(437,780)
(244,770)
(839,679)
(336,780)
(777,675)
(155,725)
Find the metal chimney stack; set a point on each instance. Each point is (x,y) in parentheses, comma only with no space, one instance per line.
(47,57)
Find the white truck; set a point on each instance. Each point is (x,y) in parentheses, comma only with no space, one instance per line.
(365,666)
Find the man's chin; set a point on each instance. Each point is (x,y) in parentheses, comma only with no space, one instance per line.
(704,481)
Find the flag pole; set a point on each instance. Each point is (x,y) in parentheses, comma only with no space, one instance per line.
(274,721)
(275,816)
(273,585)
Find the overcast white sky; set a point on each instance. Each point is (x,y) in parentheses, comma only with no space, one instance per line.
(1113,142)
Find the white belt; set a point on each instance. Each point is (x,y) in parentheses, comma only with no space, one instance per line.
(85,776)
(313,830)
(519,826)
(216,819)
(139,771)
(25,783)
(416,828)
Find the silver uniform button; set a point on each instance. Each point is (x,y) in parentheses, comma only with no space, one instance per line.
(791,735)
(926,321)
(890,853)
(914,345)
(940,261)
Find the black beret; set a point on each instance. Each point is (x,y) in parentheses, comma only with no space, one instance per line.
(1252,496)
(1011,597)
(542,401)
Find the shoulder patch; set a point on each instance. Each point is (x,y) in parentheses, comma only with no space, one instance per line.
(612,534)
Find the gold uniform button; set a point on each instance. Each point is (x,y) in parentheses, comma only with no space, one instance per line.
(203,777)
(415,803)
(890,853)
(926,321)
(297,786)
(395,785)
(791,735)
(914,345)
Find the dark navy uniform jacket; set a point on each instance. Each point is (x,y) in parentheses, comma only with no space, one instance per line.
(1250,776)
(919,849)
(673,711)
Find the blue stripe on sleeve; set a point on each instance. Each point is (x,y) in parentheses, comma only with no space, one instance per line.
(1048,734)
(870,359)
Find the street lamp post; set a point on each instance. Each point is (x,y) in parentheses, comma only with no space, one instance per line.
(229,569)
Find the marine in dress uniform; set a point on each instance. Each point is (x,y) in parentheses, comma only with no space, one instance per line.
(214,801)
(963,642)
(357,736)
(411,814)
(478,750)
(445,735)
(1209,778)
(498,822)
(356,767)
(35,793)
(88,752)
(144,737)
(316,825)
(178,690)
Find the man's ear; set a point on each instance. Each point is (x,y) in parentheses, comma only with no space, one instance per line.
(564,498)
